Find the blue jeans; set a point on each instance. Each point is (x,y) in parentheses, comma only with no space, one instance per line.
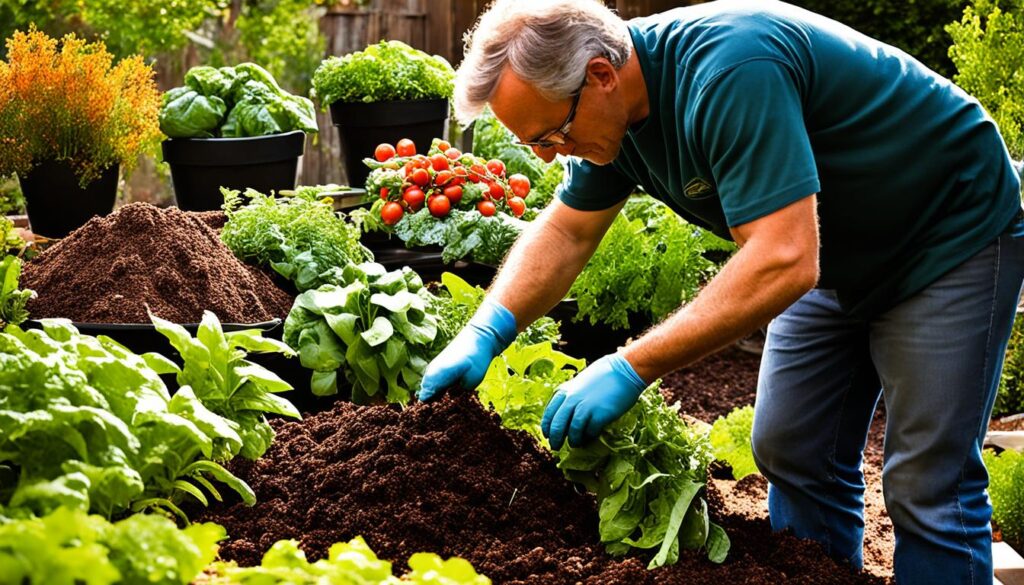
(935,358)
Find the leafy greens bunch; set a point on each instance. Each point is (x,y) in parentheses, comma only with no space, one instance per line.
(376,328)
(647,469)
(730,440)
(233,102)
(89,425)
(386,71)
(12,299)
(300,236)
(347,563)
(70,546)
(229,385)
(649,262)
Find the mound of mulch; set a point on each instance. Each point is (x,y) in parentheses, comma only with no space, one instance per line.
(113,267)
(445,477)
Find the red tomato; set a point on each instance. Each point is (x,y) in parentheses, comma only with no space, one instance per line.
(439,206)
(414,196)
(443,178)
(460,173)
(517,205)
(453,153)
(384,152)
(520,184)
(439,162)
(406,147)
(391,213)
(453,193)
(421,177)
(486,208)
(477,173)
(420,161)
(443,146)
(496,191)
(496,166)
(383,192)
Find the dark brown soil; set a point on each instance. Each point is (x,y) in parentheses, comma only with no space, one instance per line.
(445,477)
(111,268)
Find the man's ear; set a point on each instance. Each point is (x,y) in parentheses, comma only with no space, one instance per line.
(602,74)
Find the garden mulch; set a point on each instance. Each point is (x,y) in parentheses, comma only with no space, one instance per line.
(445,477)
(112,268)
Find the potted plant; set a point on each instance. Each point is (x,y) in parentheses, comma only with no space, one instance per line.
(384,93)
(232,127)
(69,118)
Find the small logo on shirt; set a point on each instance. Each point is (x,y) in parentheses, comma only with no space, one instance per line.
(697,187)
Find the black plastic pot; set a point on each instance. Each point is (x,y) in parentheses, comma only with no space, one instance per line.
(57,205)
(362,126)
(201,166)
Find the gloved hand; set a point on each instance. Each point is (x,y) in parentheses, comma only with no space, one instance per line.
(465,360)
(599,395)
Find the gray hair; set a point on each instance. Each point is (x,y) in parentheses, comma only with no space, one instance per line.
(547,43)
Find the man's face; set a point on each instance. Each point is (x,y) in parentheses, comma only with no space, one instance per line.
(598,123)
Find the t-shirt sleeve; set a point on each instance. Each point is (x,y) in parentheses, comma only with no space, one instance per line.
(590,187)
(750,126)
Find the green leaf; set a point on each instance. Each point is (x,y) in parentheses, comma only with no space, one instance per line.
(380,332)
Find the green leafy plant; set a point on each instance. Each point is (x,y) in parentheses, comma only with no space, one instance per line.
(231,102)
(649,263)
(230,385)
(730,441)
(375,327)
(466,299)
(347,563)
(12,200)
(1006,484)
(300,236)
(647,469)
(1010,397)
(12,299)
(69,546)
(89,425)
(389,70)
(988,50)
(463,234)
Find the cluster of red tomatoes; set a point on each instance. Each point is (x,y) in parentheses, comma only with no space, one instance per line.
(439,179)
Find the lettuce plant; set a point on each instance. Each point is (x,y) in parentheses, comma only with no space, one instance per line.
(374,327)
(70,546)
(648,469)
(229,385)
(1006,484)
(387,71)
(730,440)
(12,299)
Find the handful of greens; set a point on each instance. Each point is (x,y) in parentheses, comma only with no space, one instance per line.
(375,327)
(647,469)
(389,70)
(233,102)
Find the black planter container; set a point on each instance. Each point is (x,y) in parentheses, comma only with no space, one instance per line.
(57,205)
(362,126)
(201,166)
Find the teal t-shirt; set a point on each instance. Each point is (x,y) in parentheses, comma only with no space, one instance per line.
(757,104)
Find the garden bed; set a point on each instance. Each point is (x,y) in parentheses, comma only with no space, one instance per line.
(446,477)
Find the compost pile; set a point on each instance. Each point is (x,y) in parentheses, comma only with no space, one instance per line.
(111,268)
(446,477)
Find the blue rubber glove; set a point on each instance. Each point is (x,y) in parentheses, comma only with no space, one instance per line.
(583,406)
(465,360)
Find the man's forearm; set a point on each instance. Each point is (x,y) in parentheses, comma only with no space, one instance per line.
(751,289)
(539,271)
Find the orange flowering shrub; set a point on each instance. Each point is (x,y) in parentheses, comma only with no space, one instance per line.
(68,101)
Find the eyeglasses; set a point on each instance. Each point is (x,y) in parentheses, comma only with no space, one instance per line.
(558,136)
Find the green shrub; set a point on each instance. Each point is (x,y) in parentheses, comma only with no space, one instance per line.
(1006,489)
(988,50)
(1010,399)
(915,27)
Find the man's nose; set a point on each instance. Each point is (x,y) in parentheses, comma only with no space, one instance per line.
(546,154)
